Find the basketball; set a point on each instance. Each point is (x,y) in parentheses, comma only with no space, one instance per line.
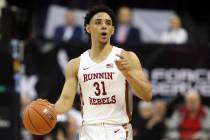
(39,118)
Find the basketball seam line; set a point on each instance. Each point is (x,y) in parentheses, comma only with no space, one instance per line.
(32,123)
(42,117)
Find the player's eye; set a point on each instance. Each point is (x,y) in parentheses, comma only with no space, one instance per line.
(108,23)
(98,22)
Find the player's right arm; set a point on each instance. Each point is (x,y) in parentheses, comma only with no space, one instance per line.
(65,101)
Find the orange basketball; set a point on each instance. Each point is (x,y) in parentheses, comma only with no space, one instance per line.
(39,117)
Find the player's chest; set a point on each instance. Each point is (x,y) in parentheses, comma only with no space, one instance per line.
(107,73)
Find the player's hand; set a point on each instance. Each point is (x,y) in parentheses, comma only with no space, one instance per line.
(46,101)
(42,100)
(123,64)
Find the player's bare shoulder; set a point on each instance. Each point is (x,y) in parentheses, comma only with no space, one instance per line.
(73,66)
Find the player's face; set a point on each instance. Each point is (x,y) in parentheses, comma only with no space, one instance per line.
(193,103)
(100,27)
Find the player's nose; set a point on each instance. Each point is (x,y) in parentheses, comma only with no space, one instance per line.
(103,26)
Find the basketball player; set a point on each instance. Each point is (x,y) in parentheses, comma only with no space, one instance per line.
(104,73)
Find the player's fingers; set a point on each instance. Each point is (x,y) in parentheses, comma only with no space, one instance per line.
(42,100)
(120,56)
(118,64)
(51,105)
(123,66)
(124,63)
(121,63)
(39,99)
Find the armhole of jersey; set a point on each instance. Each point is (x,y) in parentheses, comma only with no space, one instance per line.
(80,64)
(128,100)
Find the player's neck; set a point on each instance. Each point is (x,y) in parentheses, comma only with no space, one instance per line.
(99,51)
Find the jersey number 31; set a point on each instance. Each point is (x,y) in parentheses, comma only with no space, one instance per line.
(100,87)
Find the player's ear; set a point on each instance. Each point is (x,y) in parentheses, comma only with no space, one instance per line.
(113,29)
(87,28)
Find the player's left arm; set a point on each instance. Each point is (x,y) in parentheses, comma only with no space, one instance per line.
(130,67)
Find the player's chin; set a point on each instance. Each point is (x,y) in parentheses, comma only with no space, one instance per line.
(103,41)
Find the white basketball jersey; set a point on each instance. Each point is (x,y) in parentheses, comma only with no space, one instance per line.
(104,90)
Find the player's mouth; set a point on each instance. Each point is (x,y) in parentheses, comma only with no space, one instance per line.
(104,35)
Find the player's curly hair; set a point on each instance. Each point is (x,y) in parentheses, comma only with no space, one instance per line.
(97,9)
